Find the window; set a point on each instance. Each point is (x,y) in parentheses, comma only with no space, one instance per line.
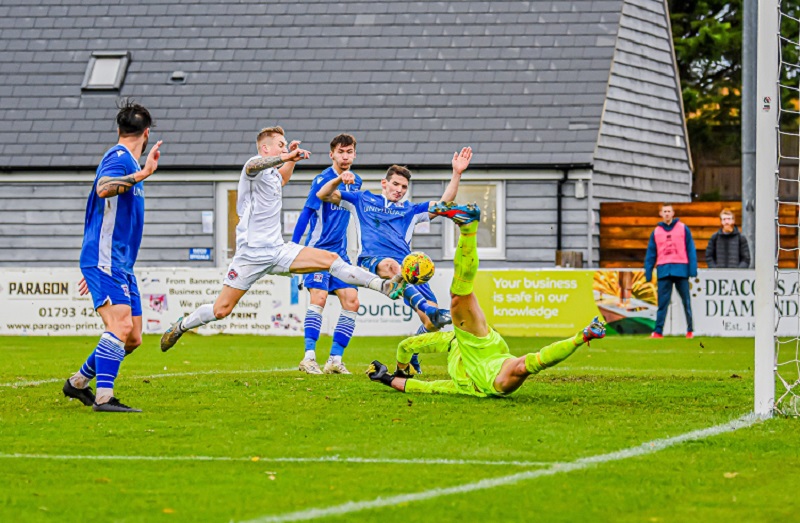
(106,71)
(490,197)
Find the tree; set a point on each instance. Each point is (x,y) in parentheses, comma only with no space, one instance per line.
(708,48)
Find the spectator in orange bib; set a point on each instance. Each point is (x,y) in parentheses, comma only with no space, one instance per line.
(671,250)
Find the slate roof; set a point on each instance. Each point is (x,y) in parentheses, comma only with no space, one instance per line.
(524,82)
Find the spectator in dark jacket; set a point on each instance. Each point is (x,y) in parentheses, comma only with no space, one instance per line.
(671,251)
(727,248)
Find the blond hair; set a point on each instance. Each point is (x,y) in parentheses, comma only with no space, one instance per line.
(269,131)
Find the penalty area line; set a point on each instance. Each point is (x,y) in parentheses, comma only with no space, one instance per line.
(556,468)
(261,459)
(15,384)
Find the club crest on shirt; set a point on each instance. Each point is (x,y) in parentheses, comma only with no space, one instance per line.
(232,274)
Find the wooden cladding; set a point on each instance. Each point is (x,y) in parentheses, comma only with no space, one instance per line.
(625,230)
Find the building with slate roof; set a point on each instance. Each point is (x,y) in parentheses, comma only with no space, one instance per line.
(566,105)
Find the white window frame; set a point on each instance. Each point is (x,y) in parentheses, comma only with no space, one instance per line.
(222,256)
(123,57)
(485,253)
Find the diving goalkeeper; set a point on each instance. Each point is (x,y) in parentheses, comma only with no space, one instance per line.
(479,362)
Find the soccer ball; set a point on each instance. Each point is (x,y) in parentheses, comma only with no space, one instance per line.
(417,268)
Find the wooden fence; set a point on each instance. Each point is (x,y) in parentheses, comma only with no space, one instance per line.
(625,230)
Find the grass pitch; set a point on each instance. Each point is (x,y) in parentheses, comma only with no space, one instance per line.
(232,432)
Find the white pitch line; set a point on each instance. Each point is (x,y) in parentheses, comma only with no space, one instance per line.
(164,375)
(557,468)
(648,371)
(259,459)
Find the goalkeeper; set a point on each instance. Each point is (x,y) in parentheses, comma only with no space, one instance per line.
(479,362)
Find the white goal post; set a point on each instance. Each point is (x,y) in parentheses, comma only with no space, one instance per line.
(777,223)
(767,95)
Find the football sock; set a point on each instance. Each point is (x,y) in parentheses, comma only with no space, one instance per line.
(81,379)
(355,275)
(343,332)
(336,360)
(422,330)
(465,260)
(312,325)
(418,301)
(108,357)
(203,315)
(425,343)
(552,354)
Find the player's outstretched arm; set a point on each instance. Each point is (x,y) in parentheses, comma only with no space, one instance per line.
(295,155)
(329,192)
(110,186)
(460,163)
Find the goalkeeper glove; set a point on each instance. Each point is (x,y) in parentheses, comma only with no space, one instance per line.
(595,330)
(377,371)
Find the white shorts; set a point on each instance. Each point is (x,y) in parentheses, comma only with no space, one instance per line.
(243,271)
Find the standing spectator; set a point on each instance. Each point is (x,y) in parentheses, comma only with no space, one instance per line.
(671,250)
(727,249)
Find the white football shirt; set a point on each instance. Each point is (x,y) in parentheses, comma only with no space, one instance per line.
(259,208)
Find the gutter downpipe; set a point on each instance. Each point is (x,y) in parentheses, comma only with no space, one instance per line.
(560,197)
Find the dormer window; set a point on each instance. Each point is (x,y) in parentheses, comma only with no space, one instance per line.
(106,71)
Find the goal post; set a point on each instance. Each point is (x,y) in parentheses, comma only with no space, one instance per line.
(767,168)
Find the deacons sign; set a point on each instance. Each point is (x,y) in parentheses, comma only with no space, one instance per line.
(723,303)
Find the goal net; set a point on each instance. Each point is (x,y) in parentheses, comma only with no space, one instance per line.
(777,369)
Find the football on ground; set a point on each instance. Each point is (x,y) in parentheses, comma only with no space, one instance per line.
(417,268)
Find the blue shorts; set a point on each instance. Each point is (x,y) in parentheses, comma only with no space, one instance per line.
(325,282)
(117,288)
(371,264)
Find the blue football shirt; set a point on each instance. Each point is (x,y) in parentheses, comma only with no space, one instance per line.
(328,225)
(113,228)
(384,227)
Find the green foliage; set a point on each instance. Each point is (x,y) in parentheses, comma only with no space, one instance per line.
(708,46)
(216,396)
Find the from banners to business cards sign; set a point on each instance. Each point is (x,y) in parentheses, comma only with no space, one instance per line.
(554,303)
(46,302)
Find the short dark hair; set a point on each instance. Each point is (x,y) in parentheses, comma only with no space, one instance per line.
(345,140)
(399,170)
(132,118)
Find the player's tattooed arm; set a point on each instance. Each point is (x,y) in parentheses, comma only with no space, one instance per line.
(110,186)
(256,165)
